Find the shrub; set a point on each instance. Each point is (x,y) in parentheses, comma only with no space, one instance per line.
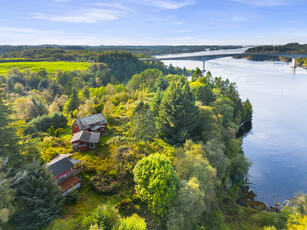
(105,216)
(72,197)
(133,222)
(43,123)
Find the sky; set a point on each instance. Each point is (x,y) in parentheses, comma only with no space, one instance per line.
(152,22)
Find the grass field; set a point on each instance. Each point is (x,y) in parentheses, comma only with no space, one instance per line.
(50,67)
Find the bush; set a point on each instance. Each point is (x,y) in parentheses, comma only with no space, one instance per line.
(104,216)
(72,197)
(133,222)
(43,123)
(31,129)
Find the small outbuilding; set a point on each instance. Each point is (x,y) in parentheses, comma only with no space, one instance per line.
(84,140)
(62,168)
(93,123)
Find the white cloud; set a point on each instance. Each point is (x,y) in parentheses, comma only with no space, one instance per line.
(164,4)
(171,5)
(86,16)
(29,36)
(116,6)
(263,2)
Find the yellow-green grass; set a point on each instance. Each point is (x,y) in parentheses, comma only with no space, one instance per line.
(50,67)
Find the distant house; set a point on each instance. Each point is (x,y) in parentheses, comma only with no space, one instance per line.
(64,173)
(84,140)
(93,123)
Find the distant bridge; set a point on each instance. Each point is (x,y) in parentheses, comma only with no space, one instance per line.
(207,57)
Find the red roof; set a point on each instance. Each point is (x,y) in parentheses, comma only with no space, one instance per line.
(69,183)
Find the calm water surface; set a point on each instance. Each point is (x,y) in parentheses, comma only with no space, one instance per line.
(277,143)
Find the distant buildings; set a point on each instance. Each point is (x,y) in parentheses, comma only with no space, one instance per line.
(64,172)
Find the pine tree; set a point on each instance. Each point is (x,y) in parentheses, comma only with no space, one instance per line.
(6,197)
(37,197)
(178,115)
(196,74)
(72,103)
(143,123)
(9,148)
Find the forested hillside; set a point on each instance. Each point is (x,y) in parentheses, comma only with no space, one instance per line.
(288,48)
(171,158)
(146,50)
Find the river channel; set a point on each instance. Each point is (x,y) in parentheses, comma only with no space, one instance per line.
(277,143)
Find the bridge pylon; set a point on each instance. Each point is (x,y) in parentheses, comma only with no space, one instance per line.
(203,69)
(294,63)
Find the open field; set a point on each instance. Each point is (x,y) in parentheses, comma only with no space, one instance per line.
(50,67)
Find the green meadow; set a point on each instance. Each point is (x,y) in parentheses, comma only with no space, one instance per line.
(50,67)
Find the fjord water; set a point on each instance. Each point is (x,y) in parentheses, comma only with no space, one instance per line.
(277,143)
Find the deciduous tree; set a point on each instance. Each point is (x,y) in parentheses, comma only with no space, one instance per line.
(156,182)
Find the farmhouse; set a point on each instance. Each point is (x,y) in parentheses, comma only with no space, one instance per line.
(93,123)
(84,140)
(64,173)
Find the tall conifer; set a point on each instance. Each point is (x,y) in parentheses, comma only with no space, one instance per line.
(178,114)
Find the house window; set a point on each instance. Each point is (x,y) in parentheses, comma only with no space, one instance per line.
(91,145)
(76,125)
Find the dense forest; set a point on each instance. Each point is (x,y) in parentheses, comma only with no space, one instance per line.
(288,48)
(171,158)
(17,51)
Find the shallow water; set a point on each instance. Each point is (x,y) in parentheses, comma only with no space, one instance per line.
(277,143)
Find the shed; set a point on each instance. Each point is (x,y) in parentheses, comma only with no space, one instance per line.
(84,140)
(64,173)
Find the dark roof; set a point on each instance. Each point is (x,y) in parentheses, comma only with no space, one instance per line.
(69,183)
(86,136)
(60,166)
(92,120)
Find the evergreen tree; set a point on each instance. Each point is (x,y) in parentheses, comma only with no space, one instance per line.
(37,197)
(156,102)
(86,93)
(72,103)
(6,197)
(196,74)
(143,123)
(178,115)
(68,89)
(52,131)
(9,148)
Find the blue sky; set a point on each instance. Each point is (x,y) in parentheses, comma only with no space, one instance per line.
(153,22)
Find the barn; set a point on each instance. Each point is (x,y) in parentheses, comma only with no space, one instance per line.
(84,140)
(93,123)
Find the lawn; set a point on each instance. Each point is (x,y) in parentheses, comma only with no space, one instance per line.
(50,67)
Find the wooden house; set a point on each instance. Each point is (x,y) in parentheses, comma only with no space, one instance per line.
(84,140)
(93,123)
(64,173)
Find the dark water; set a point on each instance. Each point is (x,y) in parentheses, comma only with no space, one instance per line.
(277,143)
